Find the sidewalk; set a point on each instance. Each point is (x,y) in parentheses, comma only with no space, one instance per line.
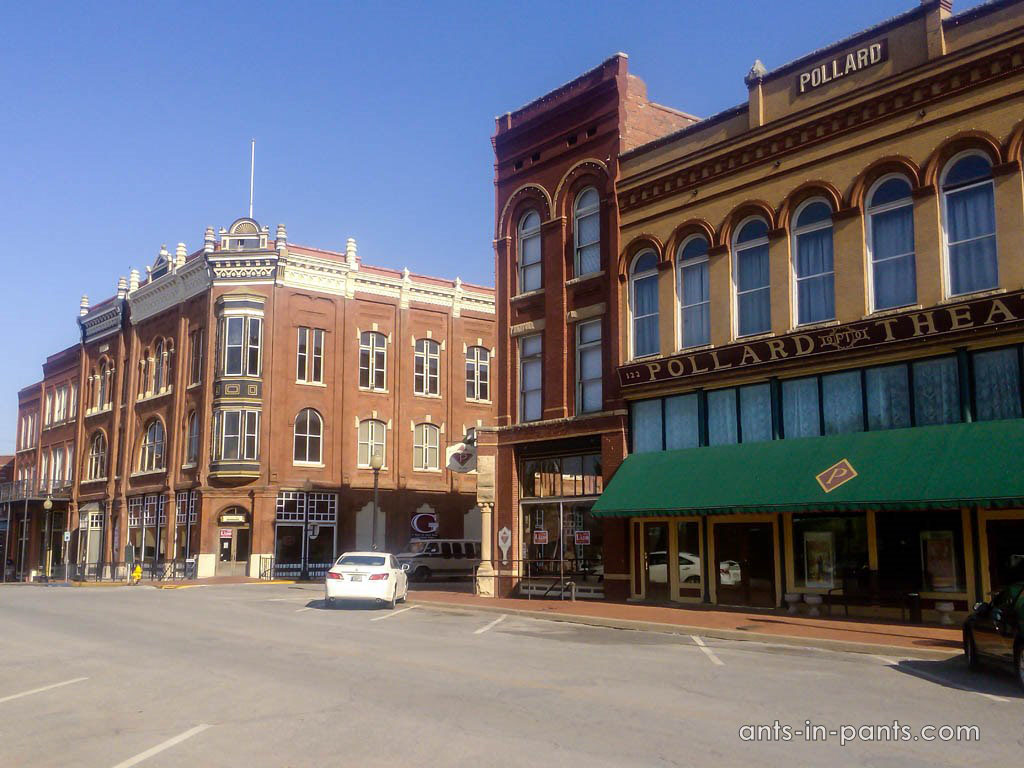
(851,635)
(168,584)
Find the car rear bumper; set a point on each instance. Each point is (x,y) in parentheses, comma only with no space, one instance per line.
(359,590)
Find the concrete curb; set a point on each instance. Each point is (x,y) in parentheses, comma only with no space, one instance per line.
(843,646)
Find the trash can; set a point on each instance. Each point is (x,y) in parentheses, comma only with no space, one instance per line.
(914,607)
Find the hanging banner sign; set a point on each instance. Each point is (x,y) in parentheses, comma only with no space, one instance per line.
(461,457)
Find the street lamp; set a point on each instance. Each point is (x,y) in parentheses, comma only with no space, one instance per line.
(376,462)
(47,507)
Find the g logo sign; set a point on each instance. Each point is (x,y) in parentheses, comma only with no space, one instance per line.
(424,523)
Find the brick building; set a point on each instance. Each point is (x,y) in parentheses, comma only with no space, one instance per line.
(225,409)
(813,309)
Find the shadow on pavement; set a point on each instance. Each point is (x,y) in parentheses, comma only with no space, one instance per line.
(953,673)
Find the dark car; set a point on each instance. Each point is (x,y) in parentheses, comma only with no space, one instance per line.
(995,631)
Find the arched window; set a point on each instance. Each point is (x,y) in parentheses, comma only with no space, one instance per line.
(890,227)
(813,264)
(969,219)
(192,439)
(478,370)
(371,441)
(643,299)
(426,367)
(426,439)
(373,360)
(145,371)
(151,457)
(158,367)
(587,231)
(101,399)
(694,292)
(309,430)
(751,278)
(96,468)
(530,267)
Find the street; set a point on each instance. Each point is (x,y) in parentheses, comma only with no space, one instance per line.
(264,675)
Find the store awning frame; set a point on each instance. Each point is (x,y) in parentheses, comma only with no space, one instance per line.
(941,467)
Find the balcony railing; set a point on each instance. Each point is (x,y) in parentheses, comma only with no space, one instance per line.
(21,490)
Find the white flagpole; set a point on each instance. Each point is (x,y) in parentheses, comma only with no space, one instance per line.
(252,174)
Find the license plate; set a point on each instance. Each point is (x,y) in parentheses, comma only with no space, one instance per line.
(357,578)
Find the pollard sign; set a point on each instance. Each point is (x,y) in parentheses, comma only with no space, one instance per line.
(843,65)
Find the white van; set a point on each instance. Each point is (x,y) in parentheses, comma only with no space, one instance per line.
(441,557)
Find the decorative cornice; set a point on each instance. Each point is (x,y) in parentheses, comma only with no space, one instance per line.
(169,290)
(909,97)
(101,321)
(227,266)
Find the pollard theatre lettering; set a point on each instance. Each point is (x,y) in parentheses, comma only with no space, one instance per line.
(843,65)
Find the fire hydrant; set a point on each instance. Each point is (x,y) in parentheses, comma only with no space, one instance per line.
(136,574)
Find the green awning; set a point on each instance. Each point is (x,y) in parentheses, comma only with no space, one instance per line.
(943,467)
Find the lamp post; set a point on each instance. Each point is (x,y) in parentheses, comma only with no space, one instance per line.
(48,508)
(376,462)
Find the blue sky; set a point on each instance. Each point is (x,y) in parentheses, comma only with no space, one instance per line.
(128,125)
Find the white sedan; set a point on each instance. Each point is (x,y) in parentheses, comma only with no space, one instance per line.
(367,576)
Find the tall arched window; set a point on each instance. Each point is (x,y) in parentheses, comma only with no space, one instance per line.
(587,231)
(530,267)
(890,225)
(643,299)
(813,264)
(426,367)
(309,430)
(373,360)
(158,367)
(192,439)
(694,292)
(753,292)
(969,223)
(103,373)
(426,439)
(151,457)
(145,371)
(371,441)
(96,468)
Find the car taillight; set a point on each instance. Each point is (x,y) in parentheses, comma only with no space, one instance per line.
(378,577)
(333,575)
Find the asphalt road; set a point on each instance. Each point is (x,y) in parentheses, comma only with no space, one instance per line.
(261,675)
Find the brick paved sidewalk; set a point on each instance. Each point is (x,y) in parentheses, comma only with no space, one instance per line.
(864,636)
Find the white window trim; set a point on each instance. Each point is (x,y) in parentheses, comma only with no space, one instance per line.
(581,213)
(538,358)
(680,264)
(795,282)
(582,347)
(369,443)
(523,234)
(305,376)
(372,348)
(735,254)
(870,212)
(476,363)
(426,355)
(307,435)
(946,276)
(143,465)
(246,319)
(426,429)
(633,278)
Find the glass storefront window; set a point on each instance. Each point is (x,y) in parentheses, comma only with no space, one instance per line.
(997,384)
(561,476)
(562,539)
(691,574)
(827,548)
(682,422)
(647,428)
(888,397)
(722,417)
(1005,552)
(842,401)
(756,413)
(936,392)
(800,413)
(920,551)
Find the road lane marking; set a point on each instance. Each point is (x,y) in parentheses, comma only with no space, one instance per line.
(493,624)
(707,651)
(162,746)
(285,599)
(951,684)
(300,610)
(40,690)
(885,660)
(394,613)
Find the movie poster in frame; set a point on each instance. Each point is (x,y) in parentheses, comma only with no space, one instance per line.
(819,559)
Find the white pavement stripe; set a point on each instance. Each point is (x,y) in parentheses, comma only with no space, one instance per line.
(707,651)
(162,746)
(885,660)
(944,681)
(394,613)
(300,610)
(493,624)
(40,690)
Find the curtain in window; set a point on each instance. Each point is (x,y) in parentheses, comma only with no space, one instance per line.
(588,236)
(800,414)
(590,378)
(682,426)
(997,384)
(531,390)
(752,290)
(815,284)
(645,316)
(647,426)
(892,254)
(936,392)
(696,305)
(842,403)
(972,240)
(888,397)
(756,413)
(722,417)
